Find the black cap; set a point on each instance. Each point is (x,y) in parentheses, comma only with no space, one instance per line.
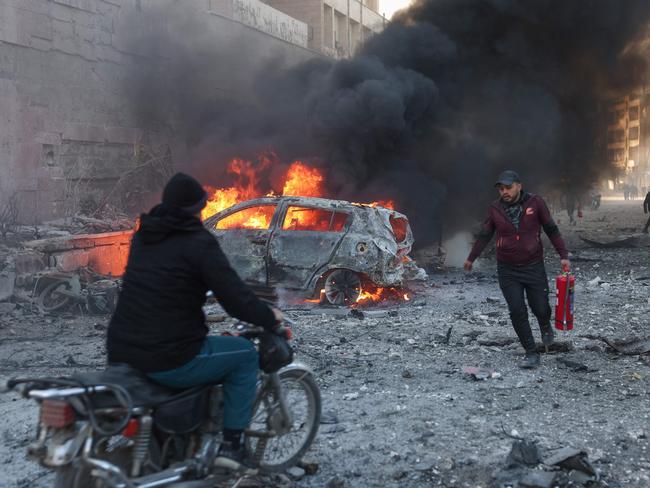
(184,192)
(508,177)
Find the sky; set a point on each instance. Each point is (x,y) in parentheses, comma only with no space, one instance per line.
(390,6)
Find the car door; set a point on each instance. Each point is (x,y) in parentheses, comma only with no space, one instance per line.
(304,240)
(244,237)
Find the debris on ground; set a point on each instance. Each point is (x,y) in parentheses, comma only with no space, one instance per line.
(575,366)
(625,242)
(408,402)
(478,373)
(632,346)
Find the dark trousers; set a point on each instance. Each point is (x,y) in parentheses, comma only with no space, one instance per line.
(530,279)
(647,225)
(232,360)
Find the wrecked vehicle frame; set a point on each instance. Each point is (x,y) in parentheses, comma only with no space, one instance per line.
(307,244)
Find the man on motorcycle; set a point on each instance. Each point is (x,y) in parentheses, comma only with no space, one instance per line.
(159,327)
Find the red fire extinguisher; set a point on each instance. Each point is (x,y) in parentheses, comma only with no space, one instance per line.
(564,285)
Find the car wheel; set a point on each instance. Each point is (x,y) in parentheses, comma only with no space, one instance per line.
(342,287)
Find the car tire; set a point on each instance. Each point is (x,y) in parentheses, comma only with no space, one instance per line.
(342,287)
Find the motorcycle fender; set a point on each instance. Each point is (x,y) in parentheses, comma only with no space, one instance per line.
(62,449)
(297,367)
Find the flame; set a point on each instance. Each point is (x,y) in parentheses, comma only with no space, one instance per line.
(373,294)
(299,180)
(389,204)
(303,181)
(245,188)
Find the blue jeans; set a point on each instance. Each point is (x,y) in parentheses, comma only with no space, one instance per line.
(230,360)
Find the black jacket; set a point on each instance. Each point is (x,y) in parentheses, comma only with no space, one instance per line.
(159,322)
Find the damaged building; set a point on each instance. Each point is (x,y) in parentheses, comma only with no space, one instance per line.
(69,136)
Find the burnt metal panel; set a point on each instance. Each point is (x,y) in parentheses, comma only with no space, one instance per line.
(298,259)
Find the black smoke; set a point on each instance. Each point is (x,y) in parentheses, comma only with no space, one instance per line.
(428,112)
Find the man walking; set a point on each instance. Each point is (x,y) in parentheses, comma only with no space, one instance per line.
(517,218)
(646,209)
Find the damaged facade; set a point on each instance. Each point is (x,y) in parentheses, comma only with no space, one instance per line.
(70,140)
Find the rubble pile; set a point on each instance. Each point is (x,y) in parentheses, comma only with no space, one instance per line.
(427,392)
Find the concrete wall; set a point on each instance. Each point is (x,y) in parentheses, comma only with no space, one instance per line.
(338,27)
(64,116)
(105,254)
(271,21)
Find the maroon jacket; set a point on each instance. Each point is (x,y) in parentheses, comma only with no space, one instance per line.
(523,245)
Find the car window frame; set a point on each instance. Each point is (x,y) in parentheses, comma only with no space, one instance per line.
(272,224)
(283,215)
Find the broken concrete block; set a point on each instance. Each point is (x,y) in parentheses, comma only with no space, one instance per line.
(7,283)
(538,479)
(570,458)
(523,453)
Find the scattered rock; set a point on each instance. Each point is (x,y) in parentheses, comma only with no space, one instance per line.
(329,418)
(447,464)
(478,373)
(497,341)
(335,482)
(310,467)
(570,458)
(296,472)
(357,314)
(576,366)
(524,453)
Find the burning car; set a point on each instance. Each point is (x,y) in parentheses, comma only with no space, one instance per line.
(311,244)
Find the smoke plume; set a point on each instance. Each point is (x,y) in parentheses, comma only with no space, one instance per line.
(426,113)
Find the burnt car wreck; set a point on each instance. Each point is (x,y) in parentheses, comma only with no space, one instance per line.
(311,244)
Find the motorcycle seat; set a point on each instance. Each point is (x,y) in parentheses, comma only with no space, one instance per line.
(143,391)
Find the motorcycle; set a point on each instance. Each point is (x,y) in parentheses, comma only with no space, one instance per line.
(118,429)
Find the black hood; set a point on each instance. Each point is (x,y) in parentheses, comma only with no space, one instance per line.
(164,220)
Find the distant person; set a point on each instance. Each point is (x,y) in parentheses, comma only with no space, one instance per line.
(646,209)
(634,192)
(595,201)
(626,192)
(570,201)
(517,218)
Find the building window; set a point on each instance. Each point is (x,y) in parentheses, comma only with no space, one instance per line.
(614,136)
(634,132)
(634,112)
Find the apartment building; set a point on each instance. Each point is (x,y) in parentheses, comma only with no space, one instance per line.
(336,27)
(628,139)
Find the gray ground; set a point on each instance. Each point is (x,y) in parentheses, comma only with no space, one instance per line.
(399,409)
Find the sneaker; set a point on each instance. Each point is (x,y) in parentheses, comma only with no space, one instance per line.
(530,361)
(548,336)
(234,459)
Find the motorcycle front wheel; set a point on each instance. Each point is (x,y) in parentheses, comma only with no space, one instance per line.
(286,449)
